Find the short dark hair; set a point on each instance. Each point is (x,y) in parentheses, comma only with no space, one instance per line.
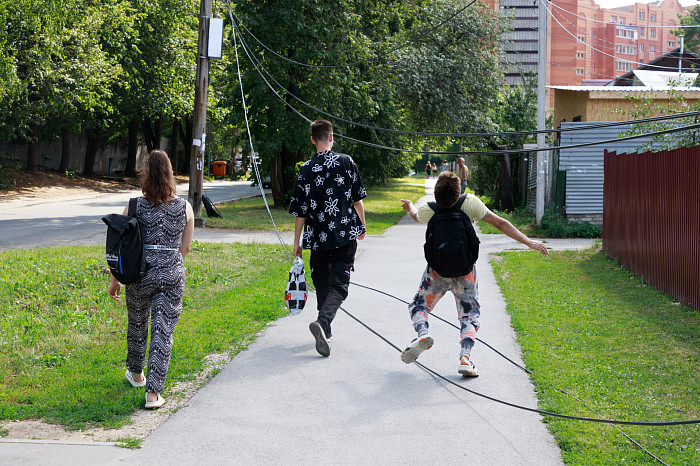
(447,189)
(321,130)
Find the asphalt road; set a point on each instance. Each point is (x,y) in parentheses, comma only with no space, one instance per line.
(27,223)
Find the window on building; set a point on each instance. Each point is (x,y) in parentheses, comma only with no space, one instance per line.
(652,33)
(652,17)
(622,20)
(579,71)
(581,39)
(641,47)
(652,48)
(621,65)
(671,43)
(641,32)
(641,15)
(613,19)
(580,55)
(626,32)
(626,49)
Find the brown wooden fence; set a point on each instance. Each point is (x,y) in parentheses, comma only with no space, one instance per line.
(651,218)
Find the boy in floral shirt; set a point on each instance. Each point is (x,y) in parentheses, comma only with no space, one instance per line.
(330,218)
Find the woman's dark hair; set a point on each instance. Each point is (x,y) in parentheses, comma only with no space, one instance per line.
(321,130)
(447,189)
(157,179)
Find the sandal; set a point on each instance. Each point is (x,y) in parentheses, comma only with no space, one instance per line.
(160,401)
(129,376)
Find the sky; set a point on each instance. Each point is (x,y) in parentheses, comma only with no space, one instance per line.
(617,3)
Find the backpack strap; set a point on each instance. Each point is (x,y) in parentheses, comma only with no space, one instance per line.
(460,201)
(133,206)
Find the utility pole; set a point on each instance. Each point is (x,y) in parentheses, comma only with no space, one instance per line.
(541,107)
(200,110)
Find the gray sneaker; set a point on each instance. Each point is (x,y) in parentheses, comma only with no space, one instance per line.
(322,346)
(415,348)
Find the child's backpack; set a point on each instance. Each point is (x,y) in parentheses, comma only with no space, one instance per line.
(124,251)
(451,245)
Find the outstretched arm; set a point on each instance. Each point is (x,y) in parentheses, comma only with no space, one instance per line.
(507,228)
(408,206)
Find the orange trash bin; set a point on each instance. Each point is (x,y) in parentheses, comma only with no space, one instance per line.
(219,168)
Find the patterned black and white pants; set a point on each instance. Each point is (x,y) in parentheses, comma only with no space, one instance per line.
(158,295)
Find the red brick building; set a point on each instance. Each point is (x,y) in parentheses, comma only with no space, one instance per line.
(587,42)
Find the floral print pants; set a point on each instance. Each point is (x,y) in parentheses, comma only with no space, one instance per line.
(466,292)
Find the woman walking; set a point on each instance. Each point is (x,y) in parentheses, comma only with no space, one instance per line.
(167,226)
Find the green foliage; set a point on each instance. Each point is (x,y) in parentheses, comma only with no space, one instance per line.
(558,227)
(132,443)
(61,69)
(418,87)
(692,34)
(660,103)
(588,326)
(516,110)
(8,171)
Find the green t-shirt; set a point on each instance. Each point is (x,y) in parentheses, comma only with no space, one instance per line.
(472,206)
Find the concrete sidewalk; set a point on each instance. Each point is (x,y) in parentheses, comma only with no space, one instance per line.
(279,402)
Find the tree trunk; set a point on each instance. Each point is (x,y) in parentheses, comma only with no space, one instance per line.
(158,133)
(33,148)
(506,184)
(93,144)
(133,147)
(282,167)
(65,149)
(174,141)
(147,133)
(186,137)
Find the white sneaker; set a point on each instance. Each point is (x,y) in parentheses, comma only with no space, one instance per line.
(415,348)
(468,370)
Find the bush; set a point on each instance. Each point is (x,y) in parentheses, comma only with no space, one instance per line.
(559,227)
(8,171)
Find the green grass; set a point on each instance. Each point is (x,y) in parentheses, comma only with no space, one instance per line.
(382,209)
(63,340)
(588,326)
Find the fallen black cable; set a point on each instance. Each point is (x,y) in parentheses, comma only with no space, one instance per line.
(513,405)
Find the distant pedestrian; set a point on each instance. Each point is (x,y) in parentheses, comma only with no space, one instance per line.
(428,169)
(167,226)
(462,173)
(330,218)
(433,286)
(434,170)
(444,167)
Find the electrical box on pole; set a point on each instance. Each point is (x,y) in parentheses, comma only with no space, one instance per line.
(200,111)
(216,38)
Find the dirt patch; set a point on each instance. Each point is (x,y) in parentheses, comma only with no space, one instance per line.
(42,184)
(141,423)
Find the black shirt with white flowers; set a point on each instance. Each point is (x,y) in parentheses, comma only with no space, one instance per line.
(327,187)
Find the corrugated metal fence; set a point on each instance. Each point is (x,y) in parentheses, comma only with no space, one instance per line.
(651,218)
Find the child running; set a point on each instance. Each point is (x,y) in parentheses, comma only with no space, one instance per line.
(433,286)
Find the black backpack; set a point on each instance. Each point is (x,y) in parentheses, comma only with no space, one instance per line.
(212,211)
(451,245)
(124,251)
